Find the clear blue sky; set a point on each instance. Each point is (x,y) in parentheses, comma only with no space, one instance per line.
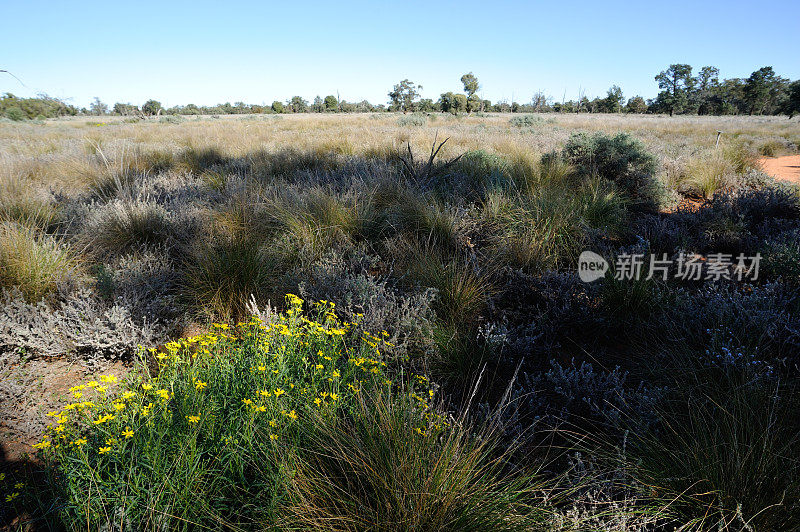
(211,52)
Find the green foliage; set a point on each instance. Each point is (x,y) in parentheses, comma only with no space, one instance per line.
(453,103)
(470,83)
(34,263)
(366,472)
(676,82)
(719,460)
(612,103)
(125,109)
(152,108)
(98,108)
(761,90)
(208,440)
(636,105)
(621,159)
(526,121)
(298,105)
(403,95)
(413,120)
(30,108)
(15,113)
(277,107)
(331,103)
(219,278)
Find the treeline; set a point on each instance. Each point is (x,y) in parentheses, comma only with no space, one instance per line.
(762,93)
(41,107)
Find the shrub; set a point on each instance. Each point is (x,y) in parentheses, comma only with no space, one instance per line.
(526,121)
(368,299)
(781,258)
(78,324)
(15,113)
(621,159)
(412,120)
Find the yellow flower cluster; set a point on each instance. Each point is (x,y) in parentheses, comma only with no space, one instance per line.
(298,368)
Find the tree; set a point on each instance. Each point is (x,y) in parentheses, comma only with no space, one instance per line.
(761,90)
(277,106)
(152,107)
(450,102)
(612,103)
(675,82)
(539,101)
(703,99)
(298,105)
(125,109)
(460,103)
(98,108)
(474,103)
(471,85)
(793,100)
(403,95)
(318,106)
(331,103)
(636,105)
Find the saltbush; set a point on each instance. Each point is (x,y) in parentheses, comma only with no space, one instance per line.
(621,159)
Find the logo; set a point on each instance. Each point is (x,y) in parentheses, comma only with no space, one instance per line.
(591,266)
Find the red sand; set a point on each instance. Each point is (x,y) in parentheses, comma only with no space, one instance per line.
(786,168)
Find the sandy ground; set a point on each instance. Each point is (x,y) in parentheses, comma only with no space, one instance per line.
(786,168)
(31,388)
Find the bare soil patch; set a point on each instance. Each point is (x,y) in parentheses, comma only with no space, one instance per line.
(31,388)
(786,168)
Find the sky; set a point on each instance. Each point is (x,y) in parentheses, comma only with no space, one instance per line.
(206,53)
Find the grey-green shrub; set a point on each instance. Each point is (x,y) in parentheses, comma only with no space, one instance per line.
(621,159)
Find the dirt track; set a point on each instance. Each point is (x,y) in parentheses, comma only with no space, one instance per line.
(786,168)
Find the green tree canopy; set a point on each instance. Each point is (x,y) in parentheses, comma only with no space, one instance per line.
(151,107)
(471,85)
(675,82)
(403,94)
